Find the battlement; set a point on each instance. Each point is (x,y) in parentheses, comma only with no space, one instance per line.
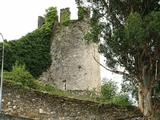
(65,15)
(41,21)
(82,12)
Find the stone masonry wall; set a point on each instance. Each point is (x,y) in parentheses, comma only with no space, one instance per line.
(43,106)
(41,21)
(73,66)
(10,117)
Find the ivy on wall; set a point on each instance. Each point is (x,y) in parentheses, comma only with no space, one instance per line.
(82,11)
(95,29)
(33,49)
(65,17)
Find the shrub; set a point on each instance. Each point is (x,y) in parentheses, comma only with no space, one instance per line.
(21,76)
(110,94)
(81,12)
(109,89)
(122,100)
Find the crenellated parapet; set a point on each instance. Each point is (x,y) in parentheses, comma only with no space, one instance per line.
(83,12)
(41,21)
(65,15)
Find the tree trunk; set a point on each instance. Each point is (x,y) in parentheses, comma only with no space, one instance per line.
(145,93)
(145,101)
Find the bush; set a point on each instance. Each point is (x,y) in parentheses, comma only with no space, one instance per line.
(109,89)
(110,94)
(81,12)
(21,76)
(122,100)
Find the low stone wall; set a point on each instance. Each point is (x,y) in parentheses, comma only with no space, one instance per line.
(10,117)
(44,106)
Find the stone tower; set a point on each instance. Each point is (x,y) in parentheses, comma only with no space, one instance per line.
(73,66)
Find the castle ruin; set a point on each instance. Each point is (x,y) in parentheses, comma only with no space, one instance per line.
(73,67)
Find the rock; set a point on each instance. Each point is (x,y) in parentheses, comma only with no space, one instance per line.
(10,110)
(41,111)
(14,107)
(17,96)
(9,103)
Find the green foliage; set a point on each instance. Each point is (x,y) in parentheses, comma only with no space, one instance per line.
(50,17)
(156,88)
(82,12)
(110,94)
(109,89)
(21,76)
(65,17)
(33,49)
(89,95)
(79,66)
(122,100)
(130,87)
(127,30)
(95,30)
(130,40)
(130,32)
(134,33)
(66,23)
(88,37)
(50,89)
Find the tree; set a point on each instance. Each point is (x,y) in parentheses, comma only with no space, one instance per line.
(110,94)
(131,33)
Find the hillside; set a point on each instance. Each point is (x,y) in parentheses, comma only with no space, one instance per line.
(40,105)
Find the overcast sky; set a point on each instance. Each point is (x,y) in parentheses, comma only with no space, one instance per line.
(19,17)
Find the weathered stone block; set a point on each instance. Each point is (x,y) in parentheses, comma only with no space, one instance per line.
(64,15)
(41,21)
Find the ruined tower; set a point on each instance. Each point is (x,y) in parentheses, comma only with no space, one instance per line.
(73,67)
